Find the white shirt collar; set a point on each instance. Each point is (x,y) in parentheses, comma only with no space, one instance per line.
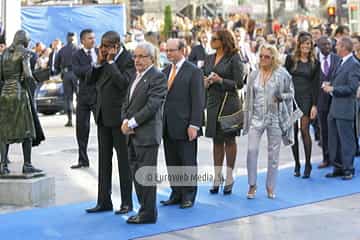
(323,57)
(180,63)
(119,53)
(144,72)
(344,59)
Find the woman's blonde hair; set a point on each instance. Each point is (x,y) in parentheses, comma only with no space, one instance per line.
(275,58)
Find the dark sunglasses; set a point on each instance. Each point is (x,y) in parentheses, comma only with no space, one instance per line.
(265,56)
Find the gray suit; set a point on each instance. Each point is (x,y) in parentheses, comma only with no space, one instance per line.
(145,105)
(342,114)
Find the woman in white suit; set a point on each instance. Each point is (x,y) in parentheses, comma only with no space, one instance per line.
(268,103)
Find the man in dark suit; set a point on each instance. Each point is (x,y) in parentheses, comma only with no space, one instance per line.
(63,63)
(328,62)
(183,110)
(342,87)
(83,61)
(142,113)
(198,52)
(55,47)
(112,74)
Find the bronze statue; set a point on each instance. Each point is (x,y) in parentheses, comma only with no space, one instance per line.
(16,110)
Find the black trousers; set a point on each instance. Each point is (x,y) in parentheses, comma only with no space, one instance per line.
(83,112)
(144,156)
(109,138)
(322,116)
(181,153)
(70,87)
(342,142)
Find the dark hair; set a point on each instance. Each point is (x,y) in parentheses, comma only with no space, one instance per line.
(112,36)
(70,34)
(346,43)
(84,32)
(303,37)
(318,27)
(228,41)
(181,44)
(341,29)
(356,36)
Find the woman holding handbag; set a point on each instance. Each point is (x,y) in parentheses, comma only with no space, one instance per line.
(223,77)
(269,92)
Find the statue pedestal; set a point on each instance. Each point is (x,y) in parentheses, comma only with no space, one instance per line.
(27,189)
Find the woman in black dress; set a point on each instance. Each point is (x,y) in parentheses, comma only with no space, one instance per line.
(305,70)
(223,74)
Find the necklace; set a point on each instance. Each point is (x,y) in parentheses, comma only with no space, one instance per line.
(265,76)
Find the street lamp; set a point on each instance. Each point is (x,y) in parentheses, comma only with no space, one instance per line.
(269,17)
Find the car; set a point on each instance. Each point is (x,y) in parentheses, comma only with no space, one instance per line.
(49,96)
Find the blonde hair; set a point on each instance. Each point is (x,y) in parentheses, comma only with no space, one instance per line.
(275,61)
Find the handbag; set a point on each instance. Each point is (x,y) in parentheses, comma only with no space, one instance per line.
(232,122)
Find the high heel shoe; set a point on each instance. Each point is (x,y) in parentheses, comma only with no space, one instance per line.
(228,188)
(215,188)
(307,171)
(297,171)
(251,193)
(270,194)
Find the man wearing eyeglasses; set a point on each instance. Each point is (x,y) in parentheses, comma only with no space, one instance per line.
(142,114)
(112,74)
(183,112)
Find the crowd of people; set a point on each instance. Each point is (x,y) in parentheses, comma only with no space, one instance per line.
(300,75)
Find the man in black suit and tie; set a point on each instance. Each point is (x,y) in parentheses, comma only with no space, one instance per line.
(83,61)
(183,111)
(342,87)
(328,62)
(55,46)
(112,74)
(142,113)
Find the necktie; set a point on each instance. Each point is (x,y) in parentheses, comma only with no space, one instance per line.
(137,80)
(172,76)
(326,66)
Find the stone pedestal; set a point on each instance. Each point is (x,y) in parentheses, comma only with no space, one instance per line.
(27,192)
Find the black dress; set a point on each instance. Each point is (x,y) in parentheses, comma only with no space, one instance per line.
(231,70)
(305,77)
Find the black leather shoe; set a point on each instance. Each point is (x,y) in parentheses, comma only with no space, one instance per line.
(347,177)
(79,165)
(124,209)
(334,174)
(99,208)
(137,219)
(170,202)
(186,204)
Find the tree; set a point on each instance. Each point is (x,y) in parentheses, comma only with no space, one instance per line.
(167,21)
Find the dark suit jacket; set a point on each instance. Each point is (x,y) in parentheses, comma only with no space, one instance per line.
(231,69)
(184,103)
(345,82)
(145,106)
(112,82)
(64,57)
(81,63)
(197,53)
(324,99)
(52,62)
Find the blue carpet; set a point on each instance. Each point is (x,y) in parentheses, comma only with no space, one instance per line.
(71,221)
